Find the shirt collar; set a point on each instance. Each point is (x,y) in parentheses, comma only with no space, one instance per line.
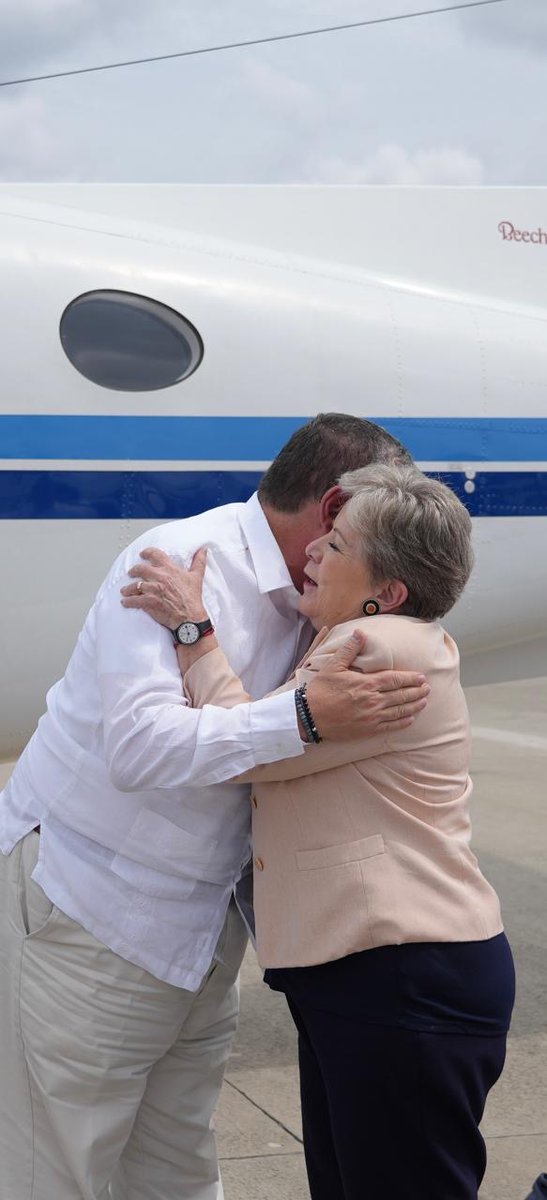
(269,565)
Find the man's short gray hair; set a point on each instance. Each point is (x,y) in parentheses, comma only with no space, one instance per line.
(414,529)
(318,452)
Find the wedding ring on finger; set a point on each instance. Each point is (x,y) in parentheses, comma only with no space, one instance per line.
(139,586)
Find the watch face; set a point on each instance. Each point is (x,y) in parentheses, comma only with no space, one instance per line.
(188,633)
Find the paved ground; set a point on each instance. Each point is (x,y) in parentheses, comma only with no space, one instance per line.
(258,1121)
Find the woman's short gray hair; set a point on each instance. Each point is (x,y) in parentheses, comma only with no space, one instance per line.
(414,529)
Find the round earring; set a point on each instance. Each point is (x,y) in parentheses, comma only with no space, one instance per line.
(370,608)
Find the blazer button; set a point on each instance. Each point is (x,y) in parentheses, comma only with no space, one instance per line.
(254,801)
(259,864)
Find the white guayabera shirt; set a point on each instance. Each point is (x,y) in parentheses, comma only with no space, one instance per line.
(142,839)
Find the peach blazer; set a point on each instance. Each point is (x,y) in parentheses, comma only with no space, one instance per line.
(365,843)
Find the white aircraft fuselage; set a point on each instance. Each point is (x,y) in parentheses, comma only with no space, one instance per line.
(422,308)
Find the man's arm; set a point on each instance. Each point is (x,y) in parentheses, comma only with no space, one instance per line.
(152,738)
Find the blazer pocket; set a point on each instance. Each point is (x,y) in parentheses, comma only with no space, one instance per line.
(336,856)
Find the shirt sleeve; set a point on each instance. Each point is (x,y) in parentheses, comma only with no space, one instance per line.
(152,738)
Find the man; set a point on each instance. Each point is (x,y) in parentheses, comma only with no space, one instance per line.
(120,944)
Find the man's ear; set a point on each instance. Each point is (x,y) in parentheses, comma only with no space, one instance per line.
(329,506)
(391,595)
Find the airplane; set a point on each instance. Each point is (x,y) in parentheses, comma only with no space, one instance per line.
(161,342)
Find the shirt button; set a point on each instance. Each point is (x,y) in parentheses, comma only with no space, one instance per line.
(254,801)
(259,864)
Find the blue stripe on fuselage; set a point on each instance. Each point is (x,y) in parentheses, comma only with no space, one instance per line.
(164,495)
(256,439)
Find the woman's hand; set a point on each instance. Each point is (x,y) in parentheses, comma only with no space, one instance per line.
(168,593)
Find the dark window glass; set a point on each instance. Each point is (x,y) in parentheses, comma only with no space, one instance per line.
(128,342)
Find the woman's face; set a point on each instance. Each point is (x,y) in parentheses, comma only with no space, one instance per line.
(336,577)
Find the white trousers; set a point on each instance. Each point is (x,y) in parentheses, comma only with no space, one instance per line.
(108,1076)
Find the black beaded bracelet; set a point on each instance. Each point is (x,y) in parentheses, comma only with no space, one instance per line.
(304,712)
(302,716)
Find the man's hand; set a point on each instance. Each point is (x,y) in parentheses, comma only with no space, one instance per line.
(350,704)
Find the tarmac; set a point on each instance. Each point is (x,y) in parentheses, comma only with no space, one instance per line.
(258,1120)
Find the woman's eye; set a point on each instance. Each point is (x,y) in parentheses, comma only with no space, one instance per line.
(333,546)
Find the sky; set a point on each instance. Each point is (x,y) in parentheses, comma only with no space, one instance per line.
(454,98)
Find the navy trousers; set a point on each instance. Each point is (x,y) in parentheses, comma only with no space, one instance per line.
(393,1110)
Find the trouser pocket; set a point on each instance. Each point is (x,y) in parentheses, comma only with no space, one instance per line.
(34,907)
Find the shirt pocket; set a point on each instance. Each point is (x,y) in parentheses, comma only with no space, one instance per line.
(160,857)
(344,852)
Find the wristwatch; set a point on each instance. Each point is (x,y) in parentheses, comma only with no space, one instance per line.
(190,632)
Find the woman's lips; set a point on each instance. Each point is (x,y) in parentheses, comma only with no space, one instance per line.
(309,583)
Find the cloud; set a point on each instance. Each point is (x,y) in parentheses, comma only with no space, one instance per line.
(391,163)
(32,30)
(514,23)
(36,34)
(440,100)
(28,149)
(279,92)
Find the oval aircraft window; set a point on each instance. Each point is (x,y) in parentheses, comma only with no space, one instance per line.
(128,342)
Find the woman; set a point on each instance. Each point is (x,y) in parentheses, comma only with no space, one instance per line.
(371,913)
